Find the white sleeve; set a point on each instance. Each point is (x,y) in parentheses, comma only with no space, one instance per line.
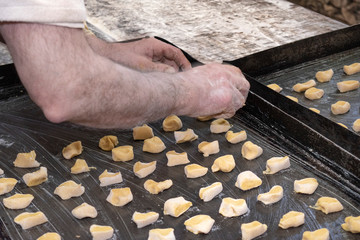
(67,13)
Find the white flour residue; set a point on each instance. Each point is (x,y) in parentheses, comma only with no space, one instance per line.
(5,143)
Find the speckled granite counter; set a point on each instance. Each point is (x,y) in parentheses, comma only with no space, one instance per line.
(209,30)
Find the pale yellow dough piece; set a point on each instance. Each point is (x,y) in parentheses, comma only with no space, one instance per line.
(328,205)
(80,166)
(315,110)
(293,98)
(352,224)
(252,230)
(224,163)
(205,118)
(250,151)
(18,201)
(195,170)
(276,164)
(301,87)
(320,234)
(123,153)
(120,196)
(292,219)
(175,159)
(72,150)
(346,86)
(247,180)
(356,125)
(209,192)
(7,185)
(352,68)
(275,194)
(208,148)
(172,123)
(324,76)
(109,178)
(154,187)
(199,224)
(306,185)
(99,232)
(28,220)
(185,136)
(49,236)
(236,137)
(343,125)
(144,219)
(142,132)
(275,87)
(153,145)
(219,126)
(231,207)
(26,160)
(84,210)
(340,107)
(314,93)
(161,234)
(69,189)
(142,170)
(36,178)
(176,206)
(107,143)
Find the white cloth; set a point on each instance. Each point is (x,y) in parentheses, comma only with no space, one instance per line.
(67,13)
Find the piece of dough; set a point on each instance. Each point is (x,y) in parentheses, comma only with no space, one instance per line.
(185,136)
(100,232)
(292,219)
(153,145)
(343,125)
(142,170)
(301,87)
(18,201)
(144,219)
(107,143)
(340,107)
(252,230)
(7,185)
(306,185)
(161,234)
(275,87)
(84,210)
(72,150)
(199,224)
(293,98)
(352,224)
(28,220)
(250,151)
(175,159)
(247,180)
(1,171)
(320,234)
(172,123)
(224,163)
(49,236)
(176,206)
(276,164)
(314,93)
(80,166)
(26,160)
(352,68)
(154,187)
(324,76)
(275,194)
(109,178)
(328,205)
(231,207)
(142,132)
(208,148)
(219,126)
(69,189)
(120,196)
(209,192)
(123,153)
(236,137)
(346,86)
(356,125)
(195,170)
(36,178)
(205,118)
(315,110)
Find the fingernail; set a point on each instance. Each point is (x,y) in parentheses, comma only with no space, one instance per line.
(170,70)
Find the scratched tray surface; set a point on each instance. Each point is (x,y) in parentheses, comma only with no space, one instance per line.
(23,128)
